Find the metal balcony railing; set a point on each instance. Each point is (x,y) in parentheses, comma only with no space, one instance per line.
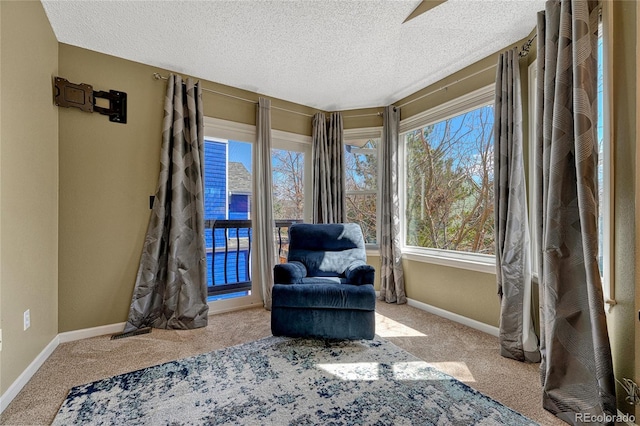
(229,253)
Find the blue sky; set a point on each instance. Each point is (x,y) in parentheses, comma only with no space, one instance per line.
(240,152)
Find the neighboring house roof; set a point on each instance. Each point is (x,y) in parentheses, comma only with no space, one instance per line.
(239,178)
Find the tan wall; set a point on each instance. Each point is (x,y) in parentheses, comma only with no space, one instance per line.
(468,293)
(475,76)
(374,260)
(109,170)
(107,173)
(362,118)
(29,186)
(622,318)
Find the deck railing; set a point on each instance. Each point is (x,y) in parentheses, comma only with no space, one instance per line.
(230,253)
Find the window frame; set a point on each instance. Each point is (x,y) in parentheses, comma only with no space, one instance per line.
(368,133)
(215,128)
(456,259)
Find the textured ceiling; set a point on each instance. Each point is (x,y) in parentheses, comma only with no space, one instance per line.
(332,55)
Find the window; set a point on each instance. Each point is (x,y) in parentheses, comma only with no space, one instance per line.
(448,180)
(604,173)
(361,167)
(227,197)
(291,176)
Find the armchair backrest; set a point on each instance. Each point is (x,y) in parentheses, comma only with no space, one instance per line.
(326,249)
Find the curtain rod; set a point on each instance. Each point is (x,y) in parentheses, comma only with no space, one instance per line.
(158,76)
(527,46)
(445,87)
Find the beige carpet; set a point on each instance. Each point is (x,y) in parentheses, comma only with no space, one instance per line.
(469,355)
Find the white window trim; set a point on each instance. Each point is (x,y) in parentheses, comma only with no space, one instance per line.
(455,259)
(363,133)
(224,129)
(465,103)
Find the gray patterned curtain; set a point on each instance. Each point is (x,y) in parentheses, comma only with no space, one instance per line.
(577,372)
(391,272)
(328,169)
(263,225)
(518,339)
(171,287)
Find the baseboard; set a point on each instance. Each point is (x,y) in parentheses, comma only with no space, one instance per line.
(485,328)
(68,336)
(85,333)
(26,375)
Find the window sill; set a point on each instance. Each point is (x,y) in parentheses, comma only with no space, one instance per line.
(460,260)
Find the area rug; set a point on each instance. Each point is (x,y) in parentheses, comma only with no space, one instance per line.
(284,381)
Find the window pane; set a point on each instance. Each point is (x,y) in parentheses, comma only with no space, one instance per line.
(361,166)
(449,184)
(288,184)
(361,208)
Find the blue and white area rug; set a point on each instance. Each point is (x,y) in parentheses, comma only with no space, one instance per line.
(284,381)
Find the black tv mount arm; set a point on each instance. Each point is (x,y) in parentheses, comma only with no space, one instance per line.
(83,96)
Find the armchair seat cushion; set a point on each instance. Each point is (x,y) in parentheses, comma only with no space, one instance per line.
(324,296)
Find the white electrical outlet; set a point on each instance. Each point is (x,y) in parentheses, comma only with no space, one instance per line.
(27,319)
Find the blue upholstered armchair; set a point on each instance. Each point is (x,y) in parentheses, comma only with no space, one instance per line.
(325,289)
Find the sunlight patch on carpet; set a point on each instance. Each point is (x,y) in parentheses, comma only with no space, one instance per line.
(458,370)
(355,371)
(386,327)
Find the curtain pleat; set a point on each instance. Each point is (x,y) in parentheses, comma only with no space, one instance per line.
(329,183)
(518,339)
(577,372)
(391,272)
(264,224)
(171,288)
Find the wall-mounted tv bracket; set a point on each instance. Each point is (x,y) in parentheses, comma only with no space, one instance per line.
(83,96)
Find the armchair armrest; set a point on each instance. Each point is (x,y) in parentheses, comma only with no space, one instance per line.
(289,273)
(359,273)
